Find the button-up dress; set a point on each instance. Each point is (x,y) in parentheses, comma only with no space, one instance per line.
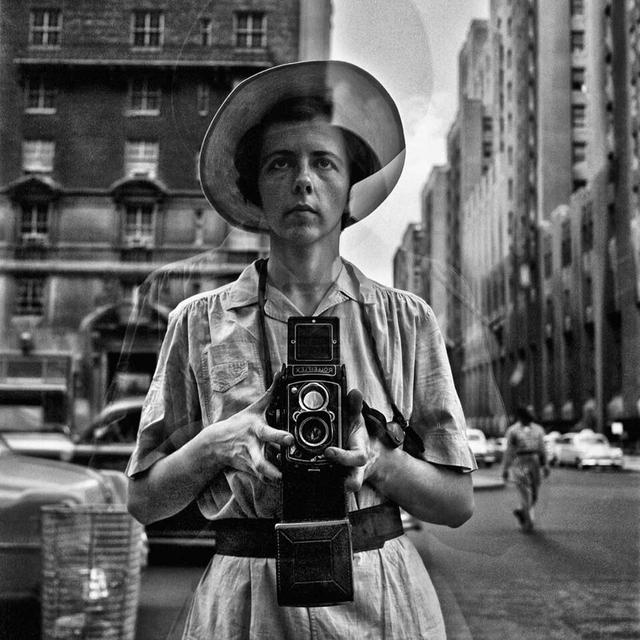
(210,367)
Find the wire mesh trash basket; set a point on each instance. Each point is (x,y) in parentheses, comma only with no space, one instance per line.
(91,572)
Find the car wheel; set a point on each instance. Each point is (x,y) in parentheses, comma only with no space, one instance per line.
(578,463)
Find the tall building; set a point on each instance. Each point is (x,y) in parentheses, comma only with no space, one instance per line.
(104,106)
(545,231)
(407,261)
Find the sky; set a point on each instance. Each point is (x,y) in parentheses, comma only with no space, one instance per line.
(412,47)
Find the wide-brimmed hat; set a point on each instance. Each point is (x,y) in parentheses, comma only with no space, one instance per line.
(360,105)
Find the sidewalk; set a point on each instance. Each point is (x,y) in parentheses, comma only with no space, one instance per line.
(632,462)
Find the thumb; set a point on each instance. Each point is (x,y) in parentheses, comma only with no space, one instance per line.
(354,405)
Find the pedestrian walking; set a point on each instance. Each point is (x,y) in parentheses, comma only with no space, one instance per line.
(525,456)
(300,152)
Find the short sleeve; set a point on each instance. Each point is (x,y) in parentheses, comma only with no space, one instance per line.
(437,415)
(171,411)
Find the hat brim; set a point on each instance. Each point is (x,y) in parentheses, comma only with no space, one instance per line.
(360,104)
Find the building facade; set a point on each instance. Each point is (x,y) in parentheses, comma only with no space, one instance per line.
(104,106)
(545,233)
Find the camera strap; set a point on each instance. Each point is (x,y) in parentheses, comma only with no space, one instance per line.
(261,266)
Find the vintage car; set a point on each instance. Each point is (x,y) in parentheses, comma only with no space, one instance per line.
(587,449)
(106,444)
(26,485)
(550,445)
(485,456)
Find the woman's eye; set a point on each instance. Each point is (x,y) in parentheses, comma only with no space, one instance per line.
(279,163)
(324,163)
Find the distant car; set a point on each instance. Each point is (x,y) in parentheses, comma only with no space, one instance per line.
(27,484)
(498,446)
(478,443)
(550,446)
(587,449)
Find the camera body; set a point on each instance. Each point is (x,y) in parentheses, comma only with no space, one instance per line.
(314,537)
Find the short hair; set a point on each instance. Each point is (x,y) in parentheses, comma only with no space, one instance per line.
(362,160)
(524,415)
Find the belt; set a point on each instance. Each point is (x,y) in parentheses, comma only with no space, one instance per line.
(256,538)
(528,452)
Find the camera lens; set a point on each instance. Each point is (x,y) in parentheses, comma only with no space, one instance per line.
(314,432)
(313,397)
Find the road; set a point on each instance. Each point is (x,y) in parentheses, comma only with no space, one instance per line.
(576,577)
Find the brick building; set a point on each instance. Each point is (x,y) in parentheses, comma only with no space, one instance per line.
(104,105)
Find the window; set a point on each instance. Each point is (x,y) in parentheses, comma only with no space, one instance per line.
(29,297)
(577,7)
(578,116)
(578,79)
(138,225)
(144,97)
(565,248)
(147,28)
(577,41)
(37,156)
(579,151)
(486,149)
(203,99)
(487,124)
(206,32)
(34,223)
(141,158)
(40,96)
(45,27)
(547,259)
(250,30)
(587,227)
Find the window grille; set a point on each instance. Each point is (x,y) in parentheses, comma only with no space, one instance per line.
(141,158)
(250,30)
(37,156)
(45,27)
(29,297)
(147,29)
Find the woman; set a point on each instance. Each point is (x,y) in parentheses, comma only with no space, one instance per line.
(300,151)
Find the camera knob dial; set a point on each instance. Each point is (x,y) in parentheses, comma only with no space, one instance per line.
(313,397)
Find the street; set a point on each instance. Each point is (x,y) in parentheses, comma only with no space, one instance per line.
(576,577)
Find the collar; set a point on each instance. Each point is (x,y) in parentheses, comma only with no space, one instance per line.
(350,283)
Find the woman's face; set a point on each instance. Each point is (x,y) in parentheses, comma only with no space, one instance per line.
(303,180)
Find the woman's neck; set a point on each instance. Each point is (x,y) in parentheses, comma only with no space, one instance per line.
(303,274)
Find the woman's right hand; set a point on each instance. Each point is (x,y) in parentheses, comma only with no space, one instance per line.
(241,440)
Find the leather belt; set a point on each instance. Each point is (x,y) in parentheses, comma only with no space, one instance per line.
(256,538)
(528,452)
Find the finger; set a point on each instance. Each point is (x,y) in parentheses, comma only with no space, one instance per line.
(354,480)
(265,470)
(346,457)
(265,433)
(354,404)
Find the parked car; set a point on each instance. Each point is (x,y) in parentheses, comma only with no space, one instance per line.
(587,449)
(481,450)
(498,446)
(27,484)
(107,443)
(550,445)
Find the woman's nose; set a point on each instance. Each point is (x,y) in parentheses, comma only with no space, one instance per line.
(303,184)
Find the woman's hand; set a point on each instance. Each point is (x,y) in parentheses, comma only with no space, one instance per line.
(241,440)
(362,450)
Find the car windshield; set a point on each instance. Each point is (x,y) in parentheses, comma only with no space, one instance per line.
(595,439)
(474,436)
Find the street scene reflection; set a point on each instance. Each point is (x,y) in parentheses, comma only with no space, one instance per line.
(517,220)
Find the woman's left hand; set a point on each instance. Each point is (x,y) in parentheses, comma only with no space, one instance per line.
(362,450)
